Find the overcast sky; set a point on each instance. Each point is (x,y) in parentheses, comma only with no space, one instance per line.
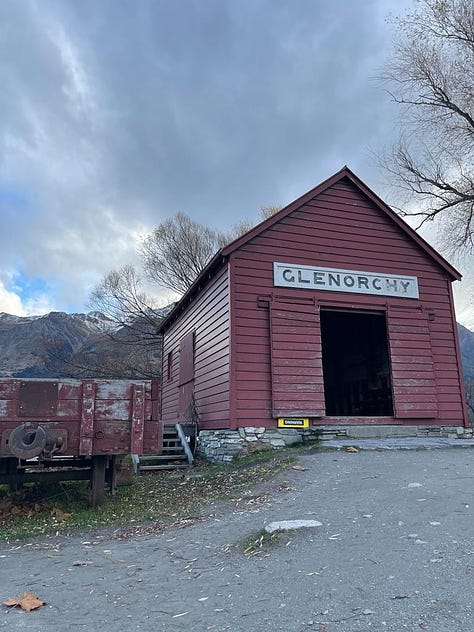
(116,115)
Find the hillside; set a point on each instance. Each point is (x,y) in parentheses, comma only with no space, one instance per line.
(73,345)
(466,342)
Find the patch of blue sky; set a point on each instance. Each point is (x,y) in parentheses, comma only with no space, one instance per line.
(13,199)
(36,294)
(39,295)
(28,287)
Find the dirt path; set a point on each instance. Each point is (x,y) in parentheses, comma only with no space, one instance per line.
(395,551)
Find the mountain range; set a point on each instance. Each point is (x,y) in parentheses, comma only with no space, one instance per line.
(91,345)
(466,343)
(77,345)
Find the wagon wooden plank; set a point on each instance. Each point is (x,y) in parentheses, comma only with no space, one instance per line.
(87,417)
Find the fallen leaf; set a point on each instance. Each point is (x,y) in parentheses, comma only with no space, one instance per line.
(27,602)
(55,511)
(299,468)
(19,504)
(11,602)
(351,448)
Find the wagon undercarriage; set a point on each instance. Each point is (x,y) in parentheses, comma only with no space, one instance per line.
(54,430)
(100,471)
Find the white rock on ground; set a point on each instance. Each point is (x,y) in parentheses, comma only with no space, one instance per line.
(288,525)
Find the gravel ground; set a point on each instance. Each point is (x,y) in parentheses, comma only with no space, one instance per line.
(395,552)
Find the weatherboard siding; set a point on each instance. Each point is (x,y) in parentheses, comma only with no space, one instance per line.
(342,228)
(297,389)
(274,366)
(208,317)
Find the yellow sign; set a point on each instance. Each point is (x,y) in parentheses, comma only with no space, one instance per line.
(293,422)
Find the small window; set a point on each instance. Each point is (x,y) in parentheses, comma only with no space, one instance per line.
(186,359)
(169,368)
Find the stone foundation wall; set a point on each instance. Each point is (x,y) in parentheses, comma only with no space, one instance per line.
(327,433)
(227,445)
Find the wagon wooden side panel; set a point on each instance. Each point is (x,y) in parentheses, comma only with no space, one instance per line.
(67,429)
(79,417)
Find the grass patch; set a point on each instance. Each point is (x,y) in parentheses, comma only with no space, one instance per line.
(153,501)
(260,542)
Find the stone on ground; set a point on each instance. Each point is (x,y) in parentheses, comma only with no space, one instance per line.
(288,525)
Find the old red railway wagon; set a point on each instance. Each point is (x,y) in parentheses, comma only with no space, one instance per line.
(72,429)
(333,311)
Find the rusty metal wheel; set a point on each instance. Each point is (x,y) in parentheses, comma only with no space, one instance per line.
(26,443)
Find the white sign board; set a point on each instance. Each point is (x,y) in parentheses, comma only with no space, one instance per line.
(336,280)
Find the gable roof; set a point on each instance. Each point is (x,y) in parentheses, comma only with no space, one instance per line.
(345,173)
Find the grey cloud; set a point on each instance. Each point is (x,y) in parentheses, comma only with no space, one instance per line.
(116,115)
(208,99)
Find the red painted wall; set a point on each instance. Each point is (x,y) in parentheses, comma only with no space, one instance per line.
(340,228)
(208,317)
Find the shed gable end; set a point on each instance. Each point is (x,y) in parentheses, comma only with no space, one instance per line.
(341,227)
(345,178)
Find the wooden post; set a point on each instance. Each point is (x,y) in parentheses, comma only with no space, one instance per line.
(98,479)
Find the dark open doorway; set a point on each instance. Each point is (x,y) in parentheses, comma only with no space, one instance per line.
(356,364)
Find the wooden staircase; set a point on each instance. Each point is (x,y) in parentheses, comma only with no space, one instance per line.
(174,455)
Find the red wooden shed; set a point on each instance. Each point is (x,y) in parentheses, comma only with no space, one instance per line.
(333,311)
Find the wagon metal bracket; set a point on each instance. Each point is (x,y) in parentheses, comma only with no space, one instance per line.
(87,417)
(38,399)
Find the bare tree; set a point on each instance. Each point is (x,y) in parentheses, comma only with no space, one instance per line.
(269,211)
(178,250)
(120,297)
(136,318)
(431,76)
(244,225)
(173,256)
(238,229)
